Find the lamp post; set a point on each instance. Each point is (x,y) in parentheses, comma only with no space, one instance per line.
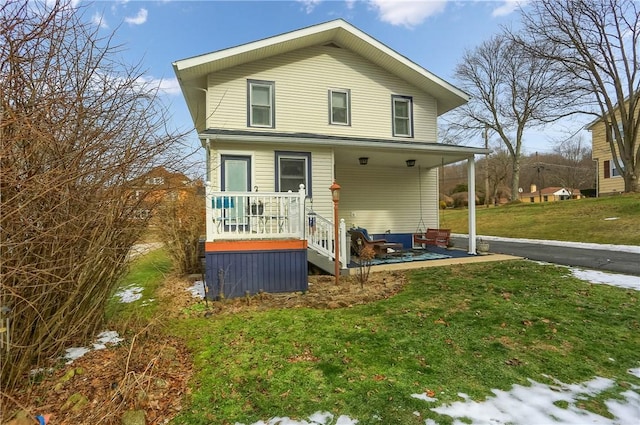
(335,195)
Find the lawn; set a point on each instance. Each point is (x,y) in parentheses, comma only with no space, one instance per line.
(463,329)
(595,220)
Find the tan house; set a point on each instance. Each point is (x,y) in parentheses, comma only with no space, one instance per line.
(283,118)
(609,179)
(549,194)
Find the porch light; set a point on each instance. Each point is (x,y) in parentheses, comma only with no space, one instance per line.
(335,192)
(411,162)
(363,160)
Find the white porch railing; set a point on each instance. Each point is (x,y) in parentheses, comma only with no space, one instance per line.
(321,237)
(271,215)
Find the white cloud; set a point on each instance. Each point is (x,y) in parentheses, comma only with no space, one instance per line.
(309,5)
(99,20)
(407,13)
(139,19)
(508,7)
(169,86)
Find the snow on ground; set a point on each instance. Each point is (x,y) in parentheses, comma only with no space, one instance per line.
(197,289)
(129,294)
(607,247)
(594,276)
(104,338)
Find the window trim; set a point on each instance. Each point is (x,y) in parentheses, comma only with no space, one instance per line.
(293,155)
(347,92)
(409,101)
(272,116)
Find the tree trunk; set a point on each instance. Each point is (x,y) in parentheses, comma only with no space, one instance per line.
(515,180)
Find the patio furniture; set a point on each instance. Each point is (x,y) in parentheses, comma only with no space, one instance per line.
(434,237)
(360,240)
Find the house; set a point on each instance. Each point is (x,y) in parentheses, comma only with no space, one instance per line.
(284,118)
(609,178)
(550,194)
(154,186)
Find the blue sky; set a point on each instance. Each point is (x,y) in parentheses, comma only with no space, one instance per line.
(434,34)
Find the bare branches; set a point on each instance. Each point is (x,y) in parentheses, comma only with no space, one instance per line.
(76,129)
(596,44)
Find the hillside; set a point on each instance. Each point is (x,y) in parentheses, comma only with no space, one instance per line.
(613,220)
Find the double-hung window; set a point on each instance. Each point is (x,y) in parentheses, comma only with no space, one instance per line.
(339,107)
(402,116)
(261,103)
(292,170)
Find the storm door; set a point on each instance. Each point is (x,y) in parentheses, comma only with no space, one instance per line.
(236,177)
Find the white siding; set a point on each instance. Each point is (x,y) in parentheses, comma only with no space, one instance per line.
(263,169)
(381,199)
(302,80)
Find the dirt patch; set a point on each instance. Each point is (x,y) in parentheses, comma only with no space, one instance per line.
(151,371)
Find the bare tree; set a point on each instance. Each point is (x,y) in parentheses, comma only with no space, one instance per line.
(574,168)
(595,43)
(499,169)
(77,127)
(510,92)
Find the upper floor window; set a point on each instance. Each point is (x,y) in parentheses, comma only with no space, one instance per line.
(292,170)
(340,107)
(402,116)
(613,132)
(261,103)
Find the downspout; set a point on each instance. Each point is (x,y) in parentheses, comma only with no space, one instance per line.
(471,201)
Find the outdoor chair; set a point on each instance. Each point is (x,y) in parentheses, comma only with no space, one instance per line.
(360,240)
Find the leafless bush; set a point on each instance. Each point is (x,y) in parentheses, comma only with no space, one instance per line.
(76,129)
(365,256)
(182,218)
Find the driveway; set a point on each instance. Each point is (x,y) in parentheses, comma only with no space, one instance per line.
(612,258)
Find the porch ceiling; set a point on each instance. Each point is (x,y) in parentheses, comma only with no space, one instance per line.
(398,159)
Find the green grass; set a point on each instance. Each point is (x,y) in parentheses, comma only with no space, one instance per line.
(147,272)
(580,220)
(463,329)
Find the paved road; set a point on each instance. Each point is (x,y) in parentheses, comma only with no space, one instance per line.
(612,258)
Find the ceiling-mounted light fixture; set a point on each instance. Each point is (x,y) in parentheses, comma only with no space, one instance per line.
(363,160)
(411,162)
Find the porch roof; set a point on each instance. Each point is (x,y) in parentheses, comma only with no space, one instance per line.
(380,152)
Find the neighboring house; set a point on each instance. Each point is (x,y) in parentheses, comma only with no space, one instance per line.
(150,189)
(283,118)
(550,194)
(609,178)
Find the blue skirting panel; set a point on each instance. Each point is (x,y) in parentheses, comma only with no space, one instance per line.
(236,273)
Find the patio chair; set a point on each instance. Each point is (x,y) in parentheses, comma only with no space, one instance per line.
(360,239)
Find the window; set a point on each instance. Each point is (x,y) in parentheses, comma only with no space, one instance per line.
(402,116)
(613,133)
(609,169)
(546,198)
(532,199)
(261,104)
(339,107)
(292,170)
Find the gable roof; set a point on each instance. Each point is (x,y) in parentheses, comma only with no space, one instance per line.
(192,72)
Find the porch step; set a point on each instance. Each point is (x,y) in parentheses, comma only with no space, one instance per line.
(322,262)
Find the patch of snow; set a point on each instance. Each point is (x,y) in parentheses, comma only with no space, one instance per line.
(620,280)
(535,404)
(635,372)
(197,290)
(611,218)
(424,397)
(318,418)
(130,294)
(104,338)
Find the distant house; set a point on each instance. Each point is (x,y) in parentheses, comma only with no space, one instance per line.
(283,118)
(153,187)
(550,194)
